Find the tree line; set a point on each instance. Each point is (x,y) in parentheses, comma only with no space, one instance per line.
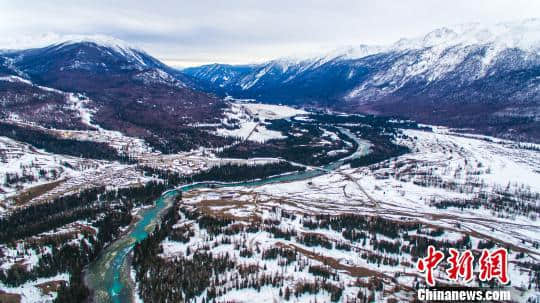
(43,140)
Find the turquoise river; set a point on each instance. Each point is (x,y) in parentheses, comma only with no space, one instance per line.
(109,276)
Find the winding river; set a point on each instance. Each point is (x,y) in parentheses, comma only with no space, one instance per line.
(109,277)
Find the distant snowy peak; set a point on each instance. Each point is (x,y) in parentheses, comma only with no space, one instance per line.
(524,35)
(355,52)
(342,53)
(120,47)
(104,41)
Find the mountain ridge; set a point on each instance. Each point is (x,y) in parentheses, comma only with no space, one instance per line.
(129,91)
(492,73)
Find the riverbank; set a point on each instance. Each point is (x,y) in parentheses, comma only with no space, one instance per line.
(109,277)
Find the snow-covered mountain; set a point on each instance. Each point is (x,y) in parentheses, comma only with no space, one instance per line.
(128,89)
(93,57)
(464,76)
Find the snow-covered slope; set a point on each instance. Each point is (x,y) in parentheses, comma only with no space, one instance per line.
(22,100)
(129,90)
(468,52)
(432,56)
(523,34)
(130,52)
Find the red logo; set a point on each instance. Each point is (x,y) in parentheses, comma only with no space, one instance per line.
(494,265)
(460,266)
(429,263)
(491,265)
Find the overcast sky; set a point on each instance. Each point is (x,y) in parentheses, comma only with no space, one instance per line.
(183,33)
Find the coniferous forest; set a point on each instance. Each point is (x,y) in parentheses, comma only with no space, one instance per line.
(43,140)
(233,172)
(106,210)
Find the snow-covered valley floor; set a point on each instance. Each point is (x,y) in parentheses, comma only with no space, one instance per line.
(349,234)
(448,190)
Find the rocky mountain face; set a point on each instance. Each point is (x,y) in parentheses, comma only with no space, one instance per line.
(126,89)
(468,76)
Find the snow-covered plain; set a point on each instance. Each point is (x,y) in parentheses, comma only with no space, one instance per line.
(247,120)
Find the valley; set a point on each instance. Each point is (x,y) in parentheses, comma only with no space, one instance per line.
(125,180)
(321,232)
(350,235)
(477,78)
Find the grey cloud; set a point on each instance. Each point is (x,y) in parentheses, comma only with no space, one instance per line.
(243,30)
